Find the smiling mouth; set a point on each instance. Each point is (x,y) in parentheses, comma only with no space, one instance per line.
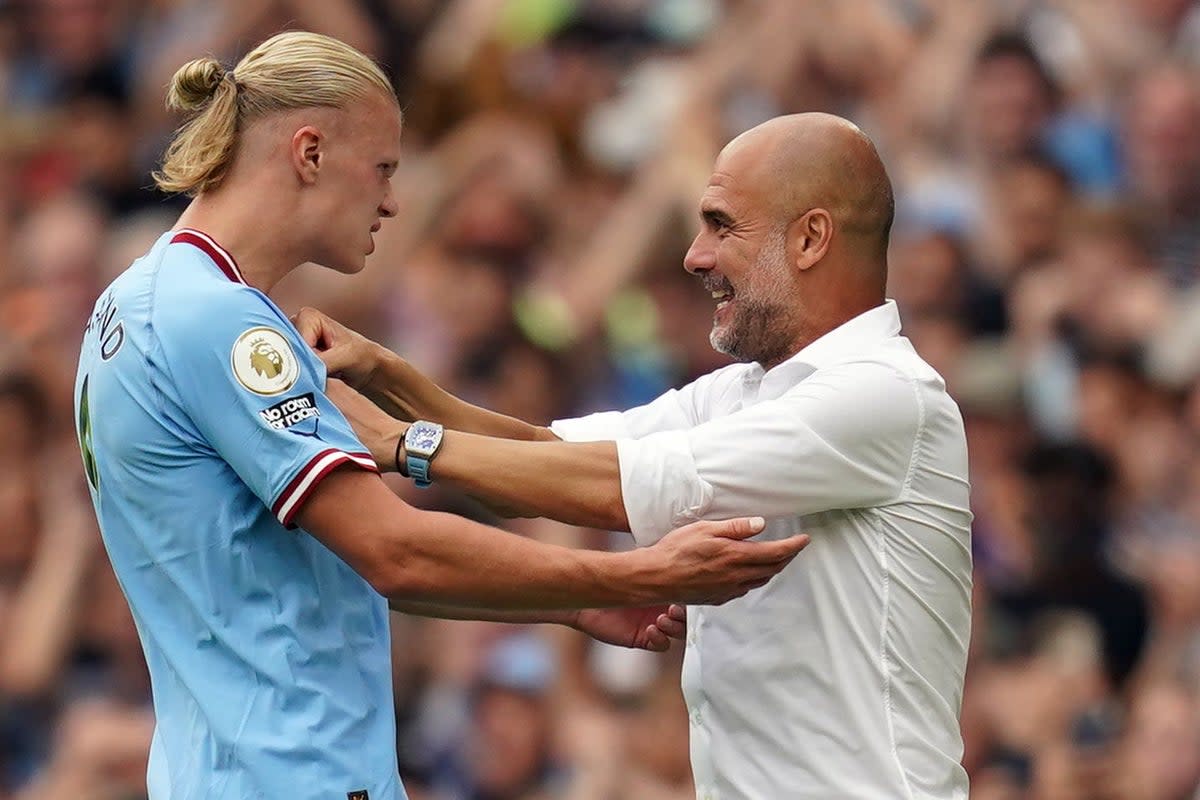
(723,297)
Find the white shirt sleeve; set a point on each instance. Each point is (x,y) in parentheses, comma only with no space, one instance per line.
(844,438)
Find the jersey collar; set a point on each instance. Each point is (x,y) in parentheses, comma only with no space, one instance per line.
(218,254)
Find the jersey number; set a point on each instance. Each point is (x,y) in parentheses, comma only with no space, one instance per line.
(85,437)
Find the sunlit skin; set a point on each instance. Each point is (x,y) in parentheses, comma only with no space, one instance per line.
(793,236)
(322,175)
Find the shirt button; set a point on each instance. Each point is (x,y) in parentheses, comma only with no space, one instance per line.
(692,637)
(697,720)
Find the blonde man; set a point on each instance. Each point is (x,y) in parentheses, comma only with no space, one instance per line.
(247,524)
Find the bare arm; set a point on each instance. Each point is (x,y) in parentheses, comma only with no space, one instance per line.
(649,628)
(38,634)
(441,611)
(402,390)
(574,482)
(412,555)
(398,387)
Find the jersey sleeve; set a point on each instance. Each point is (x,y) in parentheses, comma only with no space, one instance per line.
(255,394)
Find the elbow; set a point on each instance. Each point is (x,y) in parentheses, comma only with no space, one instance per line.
(612,511)
(402,572)
(394,572)
(398,579)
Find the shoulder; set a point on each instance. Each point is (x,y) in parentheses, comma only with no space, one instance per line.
(866,375)
(205,320)
(894,371)
(194,300)
(868,395)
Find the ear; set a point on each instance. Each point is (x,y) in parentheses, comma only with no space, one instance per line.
(810,237)
(307,152)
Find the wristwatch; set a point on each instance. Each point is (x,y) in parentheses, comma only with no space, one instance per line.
(421,444)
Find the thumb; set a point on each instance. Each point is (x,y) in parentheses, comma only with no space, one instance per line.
(336,358)
(739,528)
(309,324)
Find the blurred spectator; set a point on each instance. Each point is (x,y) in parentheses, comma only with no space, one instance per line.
(1163,154)
(1069,509)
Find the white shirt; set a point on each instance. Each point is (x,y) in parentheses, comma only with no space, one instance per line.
(842,678)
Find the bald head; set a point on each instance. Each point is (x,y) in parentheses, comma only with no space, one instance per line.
(793,236)
(804,161)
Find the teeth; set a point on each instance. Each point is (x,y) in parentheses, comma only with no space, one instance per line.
(721,295)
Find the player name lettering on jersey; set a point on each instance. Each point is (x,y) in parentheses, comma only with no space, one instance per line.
(290,411)
(107,326)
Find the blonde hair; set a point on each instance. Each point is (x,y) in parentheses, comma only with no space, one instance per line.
(288,71)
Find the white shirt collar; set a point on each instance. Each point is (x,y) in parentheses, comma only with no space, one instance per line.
(852,337)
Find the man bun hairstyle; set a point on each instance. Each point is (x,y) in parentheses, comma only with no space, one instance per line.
(290,70)
(194,84)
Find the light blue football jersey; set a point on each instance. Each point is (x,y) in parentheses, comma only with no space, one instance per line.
(204,426)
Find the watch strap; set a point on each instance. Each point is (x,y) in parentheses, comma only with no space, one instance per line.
(418,470)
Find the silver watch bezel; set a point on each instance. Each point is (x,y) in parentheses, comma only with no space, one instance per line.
(423,428)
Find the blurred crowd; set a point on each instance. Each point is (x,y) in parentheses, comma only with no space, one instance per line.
(1046,259)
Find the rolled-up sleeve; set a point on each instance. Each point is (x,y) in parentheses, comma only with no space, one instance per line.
(844,438)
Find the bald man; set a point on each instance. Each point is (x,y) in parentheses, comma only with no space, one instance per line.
(842,677)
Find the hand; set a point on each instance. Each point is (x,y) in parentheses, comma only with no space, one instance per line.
(348,355)
(627,627)
(378,431)
(674,622)
(709,563)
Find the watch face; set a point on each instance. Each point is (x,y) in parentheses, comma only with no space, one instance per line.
(423,438)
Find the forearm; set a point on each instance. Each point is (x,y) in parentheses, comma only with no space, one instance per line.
(578,483)
(42,620)
(423,609)
(445,560)
(452,563)
(402,391)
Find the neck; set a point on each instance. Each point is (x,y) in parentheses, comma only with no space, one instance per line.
(816,325)
(249,231)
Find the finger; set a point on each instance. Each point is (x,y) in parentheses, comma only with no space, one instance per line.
(778,552)
(677,611)
(308,323)
(336,358)
(762,572)
(739,528)
(752,577)
(757,583)
(672,628)
(656,640)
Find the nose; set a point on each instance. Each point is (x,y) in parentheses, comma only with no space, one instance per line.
(390,206)
(701,256)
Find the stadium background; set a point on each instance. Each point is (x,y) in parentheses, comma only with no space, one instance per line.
(1046,257)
